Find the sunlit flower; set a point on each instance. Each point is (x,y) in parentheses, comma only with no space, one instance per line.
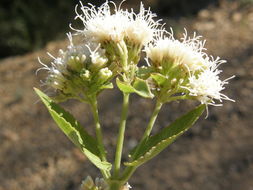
(207,86)
(73,59)
(188,52)
(77,69)
(142,27)
(103,25)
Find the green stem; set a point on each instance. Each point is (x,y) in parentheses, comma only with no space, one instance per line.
(128,173)
(149,127)
(152,120)
(94,108)
(130,170)
(115,185)
(120,139)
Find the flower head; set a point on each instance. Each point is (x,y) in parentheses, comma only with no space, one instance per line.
(71,60)
(142,27)
(103,25)
(77,70)
(187,52)
(184,65)
(207,86)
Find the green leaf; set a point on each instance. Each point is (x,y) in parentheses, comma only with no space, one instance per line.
(142,88)
(124,87)
(74,131)
(155,144)
(158,78)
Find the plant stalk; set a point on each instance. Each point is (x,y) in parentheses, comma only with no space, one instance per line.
(120,139)
(115,185)
(130,170)
(99,135)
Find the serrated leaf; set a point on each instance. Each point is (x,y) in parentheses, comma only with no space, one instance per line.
(124,87)
(155,144)
(74,131)
(142,88)
(158,78)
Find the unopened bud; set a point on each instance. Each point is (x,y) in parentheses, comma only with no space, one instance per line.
(98,61)
(101,183)
(56,80)
(85,75)
(76,63)
(173,81)
(87,184)
(105,74)
(83,58)
(126,187)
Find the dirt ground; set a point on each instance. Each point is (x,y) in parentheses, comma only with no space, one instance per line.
(216,154)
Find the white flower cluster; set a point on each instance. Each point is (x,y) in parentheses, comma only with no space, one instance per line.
(202,81)
(112,39)
(103,25)
(75,68)
(188,51)
(207,86)
(103,50)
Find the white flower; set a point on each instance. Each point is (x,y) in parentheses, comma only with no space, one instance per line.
(207,86)
(101,25)
(105,72)
(79,68)
(187,51)
(142,27)
(98,57)
(72,59)
(76,52)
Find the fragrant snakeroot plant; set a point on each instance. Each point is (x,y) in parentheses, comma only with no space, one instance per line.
(110,46)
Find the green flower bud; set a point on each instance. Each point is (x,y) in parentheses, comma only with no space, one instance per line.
(85,74)
(98,62)
(103,75)
(76,63)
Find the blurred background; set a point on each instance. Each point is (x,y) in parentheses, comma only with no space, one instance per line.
(216,154)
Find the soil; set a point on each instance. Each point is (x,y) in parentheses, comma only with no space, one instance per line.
(216,154)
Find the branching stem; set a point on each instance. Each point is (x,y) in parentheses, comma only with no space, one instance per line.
(130,170)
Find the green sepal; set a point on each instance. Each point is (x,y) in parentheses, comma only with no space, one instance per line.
(74,131)
(155,144)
